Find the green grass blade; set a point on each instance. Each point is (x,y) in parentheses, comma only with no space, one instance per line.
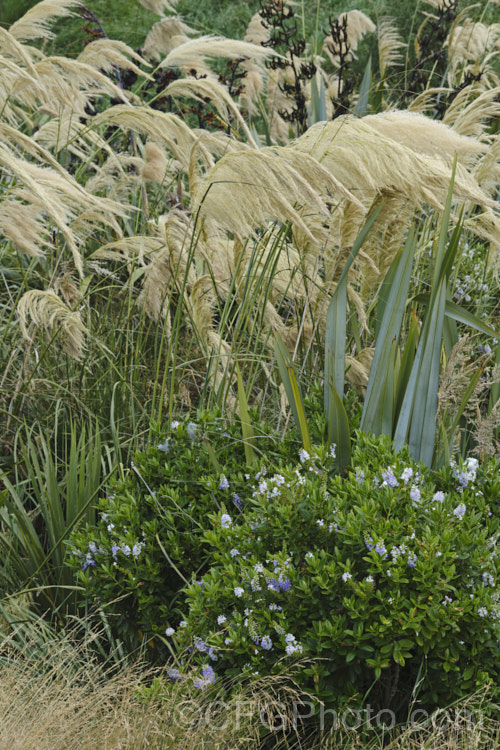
(339,431)
(246,421)
(376,417)
(293,391)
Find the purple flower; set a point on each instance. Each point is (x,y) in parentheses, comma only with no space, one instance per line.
(223,483)
(114,550)
(174,675)
(266,643)
(380,549)
(225,521)
(412,560)
(389,478)
(415,494)
(237,501)
(459,511)
(200,644)
(208,677)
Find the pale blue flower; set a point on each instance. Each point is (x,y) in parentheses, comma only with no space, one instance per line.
(225,520)
(407,474)
(169,631)
(234,552)
(459,511)
(415,494)
(266,643)
(221,619)
(223,483)
(239,591)
(346,576)
(389,478)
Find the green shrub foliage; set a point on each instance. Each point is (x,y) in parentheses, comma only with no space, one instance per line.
(383,581)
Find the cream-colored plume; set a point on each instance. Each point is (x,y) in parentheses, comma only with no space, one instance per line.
(203,89)
(158,6)
(48,312)
(155,163)
(390,45)
(108,54)
(357,26)
(161,127)
(194,52)
(245,190)
(169,265)
(471,111)
(473,49)
(22,224)
(35,22)
(426,136)
(164,36)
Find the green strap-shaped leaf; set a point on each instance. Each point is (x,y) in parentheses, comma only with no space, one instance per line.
(339,430)
(336,317)
(376,418)
(417,419)
(246,421)
(293,391)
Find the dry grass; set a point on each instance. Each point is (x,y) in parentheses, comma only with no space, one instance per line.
(55,694)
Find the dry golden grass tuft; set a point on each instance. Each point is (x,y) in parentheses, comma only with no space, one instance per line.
(55,694)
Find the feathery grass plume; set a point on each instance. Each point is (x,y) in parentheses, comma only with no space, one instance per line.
(485,426)
(461,366)
(55,192)
(471,112)
(161,127)
(365,160)
(247,189)
(203,89)
(158,6)
(116,177)
(168,266)
(35,22)
(67,287)
(358,369)
(22,224)
(139,248)
(109,54)
(487,171)
(473,50)
(67,132)
(390,45)
(253,82)
(47,311)
(357,26)
(155,163)
(372,164)
(277,101)
(195,52)
(63,83)
(426,136)
(164,36)
(15,50)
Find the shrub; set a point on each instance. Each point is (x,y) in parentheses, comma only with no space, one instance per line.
(149,538)
(383,580)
